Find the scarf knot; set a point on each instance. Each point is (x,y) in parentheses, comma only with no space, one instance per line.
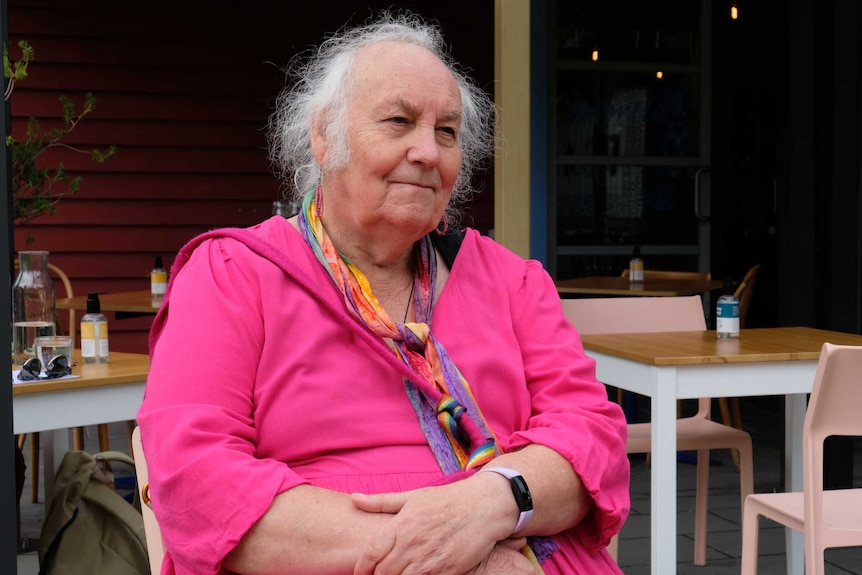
(414,336)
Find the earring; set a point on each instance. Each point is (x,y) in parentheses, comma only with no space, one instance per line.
(445,221)
(318,195)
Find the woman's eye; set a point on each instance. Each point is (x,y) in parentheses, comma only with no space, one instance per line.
(449,133)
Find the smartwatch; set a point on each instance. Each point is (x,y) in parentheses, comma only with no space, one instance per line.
(520,491)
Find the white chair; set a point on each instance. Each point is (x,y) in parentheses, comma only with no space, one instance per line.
(155,544)
(698,432)
(831,518)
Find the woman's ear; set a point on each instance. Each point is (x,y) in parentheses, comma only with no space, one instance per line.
(319,145)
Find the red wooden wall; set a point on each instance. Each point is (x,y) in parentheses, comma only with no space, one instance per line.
(184,90)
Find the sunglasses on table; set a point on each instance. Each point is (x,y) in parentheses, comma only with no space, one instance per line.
(58,366)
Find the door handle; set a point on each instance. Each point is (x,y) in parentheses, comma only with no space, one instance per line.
(699,192)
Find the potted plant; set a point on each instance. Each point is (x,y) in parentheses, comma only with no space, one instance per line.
(35,189)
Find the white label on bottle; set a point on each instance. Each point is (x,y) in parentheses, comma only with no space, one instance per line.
(94,334)
(636,270)
(727,318)
(158,282)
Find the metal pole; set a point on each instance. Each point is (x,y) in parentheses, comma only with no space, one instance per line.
(9,534)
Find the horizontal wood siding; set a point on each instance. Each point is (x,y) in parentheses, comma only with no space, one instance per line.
(184,90)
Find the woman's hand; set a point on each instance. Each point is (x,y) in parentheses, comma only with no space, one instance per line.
(447,530)
(505,559)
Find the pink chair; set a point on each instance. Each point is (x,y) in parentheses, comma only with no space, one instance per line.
(698,432)
(831,518)
(155,544)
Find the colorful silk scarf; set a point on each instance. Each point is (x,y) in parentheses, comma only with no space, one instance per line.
(447,411)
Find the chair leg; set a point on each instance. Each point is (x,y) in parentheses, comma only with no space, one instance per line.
(78,438)
(105,445)
(34,467)
(735,412)
(815,560)
(750,536)
(701,500)
(746,472)
(727,418)
(104,442)
(725,411)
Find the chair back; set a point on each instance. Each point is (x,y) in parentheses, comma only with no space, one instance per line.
(155,544)
(833,408)
(743,292)
(635,314)
(671,275)
(639,315)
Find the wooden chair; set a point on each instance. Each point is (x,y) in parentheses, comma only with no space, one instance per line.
(730,412)
(155,544)
(697,432)
(826,518)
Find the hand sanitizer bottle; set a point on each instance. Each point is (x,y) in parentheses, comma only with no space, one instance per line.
(94,332)
(636,266)
(158,279)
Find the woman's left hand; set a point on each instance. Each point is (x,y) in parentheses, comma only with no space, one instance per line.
(446,530)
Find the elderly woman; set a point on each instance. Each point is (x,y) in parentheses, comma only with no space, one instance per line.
(359,389)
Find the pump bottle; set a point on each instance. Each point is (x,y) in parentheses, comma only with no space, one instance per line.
(158,278)
(94,332)
(636,266)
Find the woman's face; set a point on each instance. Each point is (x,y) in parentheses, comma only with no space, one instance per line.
(404,120)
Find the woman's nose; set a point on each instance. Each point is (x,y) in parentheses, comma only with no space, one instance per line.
(424,147)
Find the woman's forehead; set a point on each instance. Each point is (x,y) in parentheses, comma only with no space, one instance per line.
(390,71)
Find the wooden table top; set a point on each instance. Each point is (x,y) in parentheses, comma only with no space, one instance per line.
(703,347)
(616,285)
(130,301)
(121,368)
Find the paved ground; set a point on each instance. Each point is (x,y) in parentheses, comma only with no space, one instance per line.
(762,419)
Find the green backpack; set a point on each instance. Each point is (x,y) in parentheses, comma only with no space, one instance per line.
(89,528)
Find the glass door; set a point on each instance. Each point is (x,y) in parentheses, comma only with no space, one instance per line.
(628,135)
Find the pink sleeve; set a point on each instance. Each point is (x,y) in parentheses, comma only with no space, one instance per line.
(198,413)
(571,412)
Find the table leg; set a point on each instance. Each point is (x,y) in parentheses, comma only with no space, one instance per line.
(663,477)
(794,416)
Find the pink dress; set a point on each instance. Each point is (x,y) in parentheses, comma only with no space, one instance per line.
(255,387)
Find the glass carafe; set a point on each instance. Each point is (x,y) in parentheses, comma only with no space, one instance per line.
(33,304)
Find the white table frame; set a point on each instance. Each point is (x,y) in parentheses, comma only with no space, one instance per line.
(665,385)
(57,411)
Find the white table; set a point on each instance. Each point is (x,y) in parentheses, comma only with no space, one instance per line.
(690,365)
(104,393)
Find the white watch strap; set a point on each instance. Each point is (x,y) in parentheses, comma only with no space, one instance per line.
(524,516)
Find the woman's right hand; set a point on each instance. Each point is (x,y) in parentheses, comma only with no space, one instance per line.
(505,559)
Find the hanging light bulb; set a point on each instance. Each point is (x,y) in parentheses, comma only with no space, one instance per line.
(659,75)
(595,55)
(734,11)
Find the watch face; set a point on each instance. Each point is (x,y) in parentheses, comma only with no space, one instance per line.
(522,493)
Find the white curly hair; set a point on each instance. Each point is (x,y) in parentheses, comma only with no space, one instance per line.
(321,84)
